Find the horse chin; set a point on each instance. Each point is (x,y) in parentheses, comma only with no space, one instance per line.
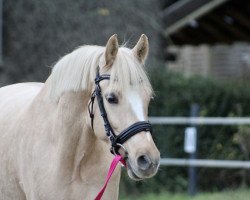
(132,174)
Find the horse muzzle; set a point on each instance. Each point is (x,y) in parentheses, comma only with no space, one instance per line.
(144,166)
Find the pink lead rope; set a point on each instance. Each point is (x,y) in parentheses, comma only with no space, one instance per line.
(112,167)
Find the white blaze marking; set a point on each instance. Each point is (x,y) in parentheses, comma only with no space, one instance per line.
(136,104)
(148,136)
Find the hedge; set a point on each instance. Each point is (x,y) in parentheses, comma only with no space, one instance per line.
(174,95)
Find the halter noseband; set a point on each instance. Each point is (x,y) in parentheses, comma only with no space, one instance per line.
(115,140)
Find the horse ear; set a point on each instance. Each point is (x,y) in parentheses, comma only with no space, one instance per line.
(141,48)
(111,50)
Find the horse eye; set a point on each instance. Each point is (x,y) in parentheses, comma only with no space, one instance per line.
(111,98)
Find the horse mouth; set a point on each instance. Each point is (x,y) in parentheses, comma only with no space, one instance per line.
(131,172)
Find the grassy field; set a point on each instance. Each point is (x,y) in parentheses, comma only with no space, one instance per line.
(228,195)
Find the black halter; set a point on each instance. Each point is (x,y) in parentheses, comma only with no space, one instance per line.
(116,140)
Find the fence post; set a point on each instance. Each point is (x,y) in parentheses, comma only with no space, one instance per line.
(192,174)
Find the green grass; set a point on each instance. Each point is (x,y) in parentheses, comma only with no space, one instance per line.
(227,195)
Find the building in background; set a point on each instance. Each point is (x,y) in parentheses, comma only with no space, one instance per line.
(208,37)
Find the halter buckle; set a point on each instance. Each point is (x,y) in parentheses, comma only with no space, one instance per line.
(114,150)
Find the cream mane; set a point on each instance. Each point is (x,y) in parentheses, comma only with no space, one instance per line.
(76,71)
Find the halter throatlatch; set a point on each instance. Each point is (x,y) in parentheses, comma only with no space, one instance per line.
(115,140)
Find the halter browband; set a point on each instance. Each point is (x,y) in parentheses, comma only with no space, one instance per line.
(116,140)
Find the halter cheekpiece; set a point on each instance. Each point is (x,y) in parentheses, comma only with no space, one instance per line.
(115,140)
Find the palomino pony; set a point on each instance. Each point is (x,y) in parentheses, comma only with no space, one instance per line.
(55,137)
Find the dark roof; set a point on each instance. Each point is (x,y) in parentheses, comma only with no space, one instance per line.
(207,21)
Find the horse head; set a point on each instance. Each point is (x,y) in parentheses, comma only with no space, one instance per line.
(123,94)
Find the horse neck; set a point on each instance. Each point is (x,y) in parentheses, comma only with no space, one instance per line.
(79,150)
(75,137)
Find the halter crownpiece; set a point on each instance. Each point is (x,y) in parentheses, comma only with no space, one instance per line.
(115,140)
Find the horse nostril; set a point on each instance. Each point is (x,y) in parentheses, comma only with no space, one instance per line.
(144,162)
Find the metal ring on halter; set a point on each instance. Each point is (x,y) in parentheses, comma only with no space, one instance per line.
(121,146)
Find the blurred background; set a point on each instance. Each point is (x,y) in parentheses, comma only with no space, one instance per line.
(199,55)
